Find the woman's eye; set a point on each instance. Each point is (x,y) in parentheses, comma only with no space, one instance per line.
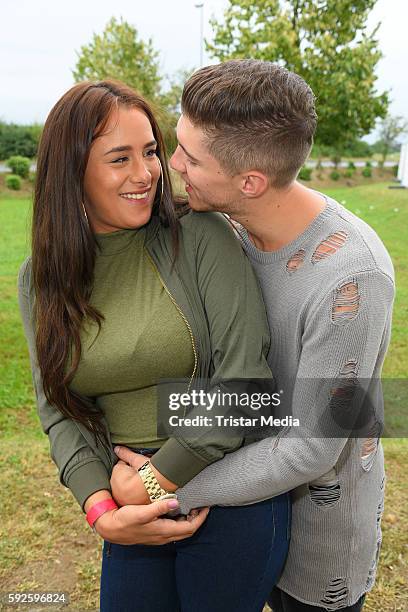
(151,153)
(120,160)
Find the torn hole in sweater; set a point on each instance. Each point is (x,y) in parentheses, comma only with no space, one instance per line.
(346,303)
(373,568)
(336,594)
(344,395)
(329,246)
(368,452)
(296,261)
(325,491)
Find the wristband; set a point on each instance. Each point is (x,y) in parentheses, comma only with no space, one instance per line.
(98,509)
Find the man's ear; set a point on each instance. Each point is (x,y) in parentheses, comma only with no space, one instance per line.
(253,184)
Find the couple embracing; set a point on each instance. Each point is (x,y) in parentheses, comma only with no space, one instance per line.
(126,287)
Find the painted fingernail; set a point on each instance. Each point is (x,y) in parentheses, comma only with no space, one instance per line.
(173,503)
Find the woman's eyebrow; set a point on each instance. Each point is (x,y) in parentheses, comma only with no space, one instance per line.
(123,148)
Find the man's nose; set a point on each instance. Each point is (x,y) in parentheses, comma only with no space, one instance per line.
(176,161)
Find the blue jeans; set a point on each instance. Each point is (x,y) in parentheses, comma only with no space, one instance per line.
(229,565)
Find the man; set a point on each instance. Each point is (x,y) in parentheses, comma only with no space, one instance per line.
(246,130)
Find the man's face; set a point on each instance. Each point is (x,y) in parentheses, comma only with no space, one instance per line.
(207,185)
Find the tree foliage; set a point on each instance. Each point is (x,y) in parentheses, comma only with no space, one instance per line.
(19,139)
(326,42)
(391,128)
(118,53)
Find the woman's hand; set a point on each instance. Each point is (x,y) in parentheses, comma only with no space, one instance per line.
(143,525)
(127,486)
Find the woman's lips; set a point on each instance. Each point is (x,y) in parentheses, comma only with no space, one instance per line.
(133,197)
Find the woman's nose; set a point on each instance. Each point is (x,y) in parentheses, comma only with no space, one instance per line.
(140,174)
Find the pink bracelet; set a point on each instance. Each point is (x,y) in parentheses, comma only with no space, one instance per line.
(98,509)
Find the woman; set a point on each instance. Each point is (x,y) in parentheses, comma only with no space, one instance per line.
(118,295)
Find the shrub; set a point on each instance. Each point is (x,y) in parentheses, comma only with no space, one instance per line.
(19,165)
(351,165)
(334,175)
(13,181)
(395,170)
(31,177)
(336,159)
(368,164)
(19,139)
(305,174)
(349,173)
(366,172)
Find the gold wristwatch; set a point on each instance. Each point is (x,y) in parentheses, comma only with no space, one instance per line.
(153,488)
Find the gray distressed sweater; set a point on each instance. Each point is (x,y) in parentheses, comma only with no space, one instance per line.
(329,297)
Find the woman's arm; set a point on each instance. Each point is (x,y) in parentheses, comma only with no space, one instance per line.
(84,472)
(80,468)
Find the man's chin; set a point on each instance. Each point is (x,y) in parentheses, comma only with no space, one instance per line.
(198,205)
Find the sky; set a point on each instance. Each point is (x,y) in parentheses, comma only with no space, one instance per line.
(39,41)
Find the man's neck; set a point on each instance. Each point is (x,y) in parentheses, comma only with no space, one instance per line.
(280,216)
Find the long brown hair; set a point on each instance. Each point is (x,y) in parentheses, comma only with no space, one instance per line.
(63,245)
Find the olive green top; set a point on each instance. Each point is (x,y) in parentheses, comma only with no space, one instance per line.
(142,340)
(214,286)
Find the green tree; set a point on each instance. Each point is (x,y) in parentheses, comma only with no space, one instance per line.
(168,107)
(118,53)
(391,128)
(19,139)
(326,42)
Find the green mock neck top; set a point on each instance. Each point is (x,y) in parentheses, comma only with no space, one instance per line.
(143,339)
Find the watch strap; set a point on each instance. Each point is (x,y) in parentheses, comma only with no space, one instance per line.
(151,483)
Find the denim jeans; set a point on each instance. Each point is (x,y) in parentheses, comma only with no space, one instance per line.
(282,602)
(229,565)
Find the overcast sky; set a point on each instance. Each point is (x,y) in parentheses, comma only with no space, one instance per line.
(39,40)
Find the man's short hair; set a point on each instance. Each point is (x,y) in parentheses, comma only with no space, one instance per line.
(256,115)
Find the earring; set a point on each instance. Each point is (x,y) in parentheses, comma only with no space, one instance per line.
(161,181)
(86,216)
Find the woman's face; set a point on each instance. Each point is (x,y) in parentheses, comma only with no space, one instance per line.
(122,173)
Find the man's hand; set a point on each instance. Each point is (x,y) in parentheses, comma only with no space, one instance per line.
(143,525)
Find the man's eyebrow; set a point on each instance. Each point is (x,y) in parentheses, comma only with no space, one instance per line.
(189,154)
(123,148)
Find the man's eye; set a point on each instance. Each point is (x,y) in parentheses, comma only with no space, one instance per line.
(120,160)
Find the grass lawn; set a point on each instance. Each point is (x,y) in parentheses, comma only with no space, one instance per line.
(44,541)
